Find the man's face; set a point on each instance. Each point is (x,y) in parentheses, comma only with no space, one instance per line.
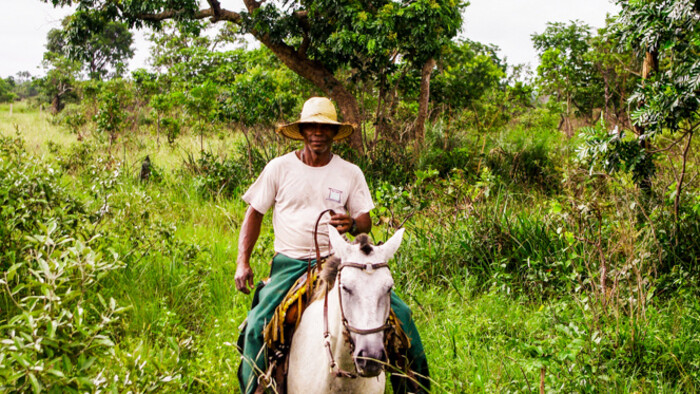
(318,136)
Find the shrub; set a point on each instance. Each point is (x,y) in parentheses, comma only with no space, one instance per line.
(172,128)
(529,159)
(447,148)
(214,176)
(386,162)
(54,324)
(74,158)
(74,118)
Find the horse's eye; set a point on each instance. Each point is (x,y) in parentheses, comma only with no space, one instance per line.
(345,289)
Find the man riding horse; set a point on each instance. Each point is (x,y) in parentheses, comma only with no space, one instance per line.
(299,185)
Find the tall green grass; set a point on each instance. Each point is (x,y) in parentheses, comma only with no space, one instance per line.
(501,265)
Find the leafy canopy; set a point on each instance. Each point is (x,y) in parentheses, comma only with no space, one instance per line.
(366,36)
(466,72)
(669,31)
(96,42)
(565,70)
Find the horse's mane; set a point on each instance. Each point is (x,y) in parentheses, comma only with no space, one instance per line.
(326,278)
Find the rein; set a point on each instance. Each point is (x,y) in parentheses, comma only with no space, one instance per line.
(319,263)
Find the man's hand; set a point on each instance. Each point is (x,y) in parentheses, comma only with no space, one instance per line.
(244,278)
(250,230)
(342,222)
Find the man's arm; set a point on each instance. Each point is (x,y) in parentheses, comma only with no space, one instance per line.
(250,230)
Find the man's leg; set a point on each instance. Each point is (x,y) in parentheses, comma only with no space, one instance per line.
(283,274)
(415,355)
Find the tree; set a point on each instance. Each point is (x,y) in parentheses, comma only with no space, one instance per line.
(6,90)
(667,35)
(60,80)
(314,38)
(619,72)
(25,85)
(180,50)
(465,73)
(565,71)
(95,42)
(115,96)
(254,88)
(201,103)
(164,107)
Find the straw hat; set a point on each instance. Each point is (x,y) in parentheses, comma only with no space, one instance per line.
(316,110)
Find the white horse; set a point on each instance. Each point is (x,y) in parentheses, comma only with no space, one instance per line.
(342,350)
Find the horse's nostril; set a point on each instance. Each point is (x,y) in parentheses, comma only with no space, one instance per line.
(364,358)
(361,359)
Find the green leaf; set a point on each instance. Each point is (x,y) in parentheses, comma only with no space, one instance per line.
(85,364)
(67,364)
(12,270)
(56,373)
(35,383)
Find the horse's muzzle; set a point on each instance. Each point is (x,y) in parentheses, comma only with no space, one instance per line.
(369,366)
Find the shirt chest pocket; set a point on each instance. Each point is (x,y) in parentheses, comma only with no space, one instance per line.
(336,194)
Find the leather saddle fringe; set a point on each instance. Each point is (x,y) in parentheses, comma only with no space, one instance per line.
(288,313)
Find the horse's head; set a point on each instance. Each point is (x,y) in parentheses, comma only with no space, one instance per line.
(364,286)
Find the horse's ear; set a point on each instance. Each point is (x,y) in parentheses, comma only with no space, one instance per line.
(392,245)
(340,246)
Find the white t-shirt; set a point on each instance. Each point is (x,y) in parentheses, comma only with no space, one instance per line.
(300,193)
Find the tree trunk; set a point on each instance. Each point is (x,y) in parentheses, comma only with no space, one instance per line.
(379,122)
(423,101)
(650,65)
(351,114)
(56,104)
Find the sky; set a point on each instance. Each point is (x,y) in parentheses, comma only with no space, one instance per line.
(505,23)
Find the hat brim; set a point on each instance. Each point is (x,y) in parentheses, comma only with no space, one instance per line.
(291,130)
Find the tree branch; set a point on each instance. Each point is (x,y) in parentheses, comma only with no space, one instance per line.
(303,18)
(673,144)
(216,7)
(679,185)
(224,14)
(251,5)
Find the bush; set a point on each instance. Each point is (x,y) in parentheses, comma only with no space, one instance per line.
(519,159)
(172,128)
(214,176)
(447,148)
(54,324)
(386,162)
(74,158)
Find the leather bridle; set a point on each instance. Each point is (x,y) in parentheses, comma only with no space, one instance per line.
(369,267)
(348,328)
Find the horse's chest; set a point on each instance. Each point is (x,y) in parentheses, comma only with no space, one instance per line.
(358,385)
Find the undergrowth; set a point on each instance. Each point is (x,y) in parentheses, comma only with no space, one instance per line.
(521,266)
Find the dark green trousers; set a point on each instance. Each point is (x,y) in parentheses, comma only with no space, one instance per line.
(284,272)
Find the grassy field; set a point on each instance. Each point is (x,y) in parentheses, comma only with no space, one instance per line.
(484,329)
